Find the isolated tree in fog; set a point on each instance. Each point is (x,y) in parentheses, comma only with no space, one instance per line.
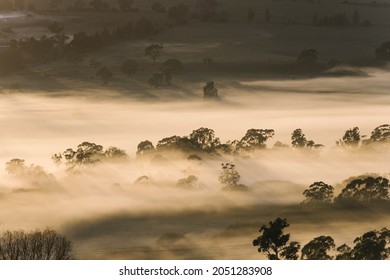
(154,51)
(229,178)
(188,183)
(16,167)
(319,192)
(366,189)
(351,138)
(173,65)
(37,245)
(274,243)
(255,139)
(210,91)
(317,249)
(144,147)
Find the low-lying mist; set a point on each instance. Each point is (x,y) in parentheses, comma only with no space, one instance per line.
(102,207)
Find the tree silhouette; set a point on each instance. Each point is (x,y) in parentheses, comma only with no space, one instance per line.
(298,140)
(188,183)
(351,138)
(356,18)
(210,91)
(38,245)
(274,243)
(345,252)
(154,51)
(366,189)
(380,134)
(144,147)
(373,245)
(319,192)
(173,65)
(255,139)
(317,249)
(205,139)
(229,178)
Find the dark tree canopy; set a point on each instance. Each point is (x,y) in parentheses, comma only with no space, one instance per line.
(319,192)
(37,245)
(366,189)
(210,91)
(351,138)
(298,140)
(380,134)
(144,147)
(255,139)
(274,243)
(317,249)
(205,139)
(154,51)
(373,245)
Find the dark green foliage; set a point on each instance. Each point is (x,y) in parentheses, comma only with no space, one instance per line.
(104,74)
(319,192)
(365,190)
(255,139)
(229,178)
(274,243)
(179,14)
(37,245)
(351,138)
(317,249)
(129,67)
(210,91)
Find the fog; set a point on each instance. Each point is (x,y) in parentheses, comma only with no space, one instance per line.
(104,212)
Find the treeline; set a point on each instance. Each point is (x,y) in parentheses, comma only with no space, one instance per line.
(276,245)
(204,141)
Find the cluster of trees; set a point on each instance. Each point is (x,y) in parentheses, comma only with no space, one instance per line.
(361,189)
(276,245)
(60,46)
(88,153)
(204,140)
(35,245)
(339,19)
